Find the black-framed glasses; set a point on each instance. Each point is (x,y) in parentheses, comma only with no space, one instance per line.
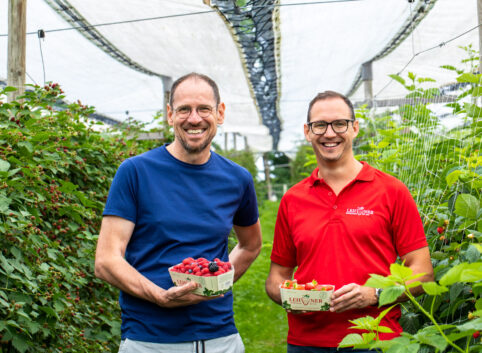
(204,111)
(338,126)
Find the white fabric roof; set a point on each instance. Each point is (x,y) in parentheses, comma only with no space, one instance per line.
(321,46)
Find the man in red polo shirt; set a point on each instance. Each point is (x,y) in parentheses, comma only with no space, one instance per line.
(341,224)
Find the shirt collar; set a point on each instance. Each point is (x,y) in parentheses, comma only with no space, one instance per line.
(366,174)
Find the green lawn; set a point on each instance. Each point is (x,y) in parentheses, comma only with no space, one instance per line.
(262,323)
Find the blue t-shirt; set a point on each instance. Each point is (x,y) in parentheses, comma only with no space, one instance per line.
(180,210)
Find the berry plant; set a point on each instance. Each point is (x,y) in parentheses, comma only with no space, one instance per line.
(56,167)
(443,169)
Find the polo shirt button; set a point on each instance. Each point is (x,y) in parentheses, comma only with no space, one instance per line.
(330,193)
(334,207)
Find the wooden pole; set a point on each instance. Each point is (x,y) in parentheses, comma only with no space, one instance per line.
(166,85)
(17,29)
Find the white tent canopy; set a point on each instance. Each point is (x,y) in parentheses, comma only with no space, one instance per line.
(319,45)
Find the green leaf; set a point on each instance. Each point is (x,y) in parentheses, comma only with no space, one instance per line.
(403,345)
(400,273)
(449,67)
(477,289)
(472,254)
(467,206)
(432,288)
(27,145)
(469,77)
(475,324)
(364,323)
(351,340)
(4,203)
(453,177)
(4,165)
(20,343)
(377,281)
(463,272)
(67,187)
(390,294)
(5,264)
(434,340)
(33,326)
(472,110)
(398,79)
(477,91)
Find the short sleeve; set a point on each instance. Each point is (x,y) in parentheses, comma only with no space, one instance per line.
(247,212)
(407,226)
(284,250)
(121,200)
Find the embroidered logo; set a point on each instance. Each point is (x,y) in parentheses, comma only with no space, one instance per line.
(359,211)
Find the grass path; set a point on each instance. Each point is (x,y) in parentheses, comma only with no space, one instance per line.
(261,323)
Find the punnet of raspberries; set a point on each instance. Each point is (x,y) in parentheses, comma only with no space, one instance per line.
(202,267)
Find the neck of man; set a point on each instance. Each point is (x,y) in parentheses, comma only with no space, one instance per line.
(180,153)
(338,174)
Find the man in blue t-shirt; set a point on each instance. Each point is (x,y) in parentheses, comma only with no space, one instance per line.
(176,201)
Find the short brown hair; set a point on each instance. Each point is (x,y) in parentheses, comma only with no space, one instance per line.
(205,78)
(329,95)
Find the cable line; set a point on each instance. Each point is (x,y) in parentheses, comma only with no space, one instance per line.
(179,15)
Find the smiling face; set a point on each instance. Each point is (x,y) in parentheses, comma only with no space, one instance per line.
(193,133)
(332,147)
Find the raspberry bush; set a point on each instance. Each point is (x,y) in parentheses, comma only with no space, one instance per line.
(55,172)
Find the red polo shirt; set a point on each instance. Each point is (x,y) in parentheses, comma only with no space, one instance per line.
(343,239)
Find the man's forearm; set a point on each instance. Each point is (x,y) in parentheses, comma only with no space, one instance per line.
(241,259)
(122,275)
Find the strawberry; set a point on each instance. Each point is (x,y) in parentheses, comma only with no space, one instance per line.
(440,230)
(476,334)
(319,287)
(300,287)
(287,284)
(311,285)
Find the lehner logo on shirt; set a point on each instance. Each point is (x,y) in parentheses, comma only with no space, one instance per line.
(359,211)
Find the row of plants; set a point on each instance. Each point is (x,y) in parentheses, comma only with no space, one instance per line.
(56,167)
(443,169)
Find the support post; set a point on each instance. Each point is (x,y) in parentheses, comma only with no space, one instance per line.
(166,85)
(367,77)
(479,17)
(234,141)
(17,29)
(267,177)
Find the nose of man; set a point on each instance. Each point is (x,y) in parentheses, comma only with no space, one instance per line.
(194,118)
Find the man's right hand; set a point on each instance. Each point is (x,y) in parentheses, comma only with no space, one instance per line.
(181,296)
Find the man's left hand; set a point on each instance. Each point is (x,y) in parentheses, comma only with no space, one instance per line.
(352,296)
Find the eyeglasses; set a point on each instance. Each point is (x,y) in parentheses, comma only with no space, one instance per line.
(203,111)
(338,126)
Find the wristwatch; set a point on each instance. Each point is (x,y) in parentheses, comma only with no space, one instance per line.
(378,292)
